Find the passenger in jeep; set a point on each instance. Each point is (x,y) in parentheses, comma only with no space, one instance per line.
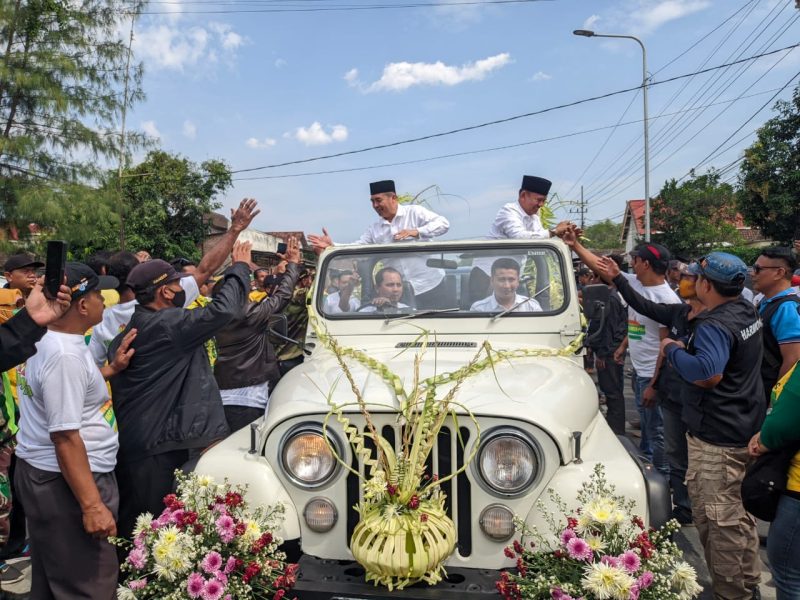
(388,290)
(504,283)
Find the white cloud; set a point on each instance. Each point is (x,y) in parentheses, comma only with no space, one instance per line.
(189,129)
(150,129)
(170,46)
(351,77)
(403,75)
(651,15)
(316,134)
(280,63)
(541,76)
(590,22)
(257,144)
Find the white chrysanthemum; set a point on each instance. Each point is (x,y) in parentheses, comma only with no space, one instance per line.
(618,517)
(144,522)
(607,582)
(595,542)
(601,510)
(584,521)
(125,593)
(205,481)
(684,581)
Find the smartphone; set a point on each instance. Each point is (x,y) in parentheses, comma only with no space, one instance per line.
(55,267)
(282,248)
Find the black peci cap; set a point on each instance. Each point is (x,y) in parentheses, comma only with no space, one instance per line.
(537,185)
(382,187)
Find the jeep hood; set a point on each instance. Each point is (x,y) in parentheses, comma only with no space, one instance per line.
(552,392)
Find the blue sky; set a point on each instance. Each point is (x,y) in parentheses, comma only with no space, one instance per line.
(258,89)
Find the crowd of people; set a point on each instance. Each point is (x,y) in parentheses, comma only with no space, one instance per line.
(139,364)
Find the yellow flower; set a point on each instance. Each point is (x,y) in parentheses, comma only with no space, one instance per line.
(596,543)
(607,582)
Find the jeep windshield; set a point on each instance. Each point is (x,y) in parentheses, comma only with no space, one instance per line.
(413,280)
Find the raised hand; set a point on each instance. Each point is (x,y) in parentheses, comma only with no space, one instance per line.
(609,269)
(244,215)
(320,242)
(242,252)
(292,253)
(44,310)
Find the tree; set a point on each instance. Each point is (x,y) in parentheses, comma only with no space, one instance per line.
(605,234)
(770,174)
(164,201)
(64,82)
(696,215)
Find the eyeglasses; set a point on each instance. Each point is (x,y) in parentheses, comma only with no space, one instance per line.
(758,268)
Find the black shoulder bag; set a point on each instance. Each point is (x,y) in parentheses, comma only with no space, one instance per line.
(765,481)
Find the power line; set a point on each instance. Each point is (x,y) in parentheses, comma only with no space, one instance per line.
(334,8)
(504,120)
(470,152)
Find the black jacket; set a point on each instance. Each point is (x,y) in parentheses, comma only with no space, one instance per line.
(245,355)
(615,328)
(18,337)
(731,412)
(167,398)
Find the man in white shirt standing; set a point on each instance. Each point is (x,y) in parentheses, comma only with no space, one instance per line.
(67,450)
(401,223)
(517,220)
(504,297)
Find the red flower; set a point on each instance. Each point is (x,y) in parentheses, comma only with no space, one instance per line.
(198,528)
(169,500)
(572,523)
(266,538)
(509,552)
(391,490)
(240,528)
(521,567)
(413,503)
(518,547)
(190,518)
(638,522)
(279,582)
(291,574)
(233,499)
(279,594)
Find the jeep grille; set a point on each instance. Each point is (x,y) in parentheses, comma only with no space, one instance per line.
(446,457)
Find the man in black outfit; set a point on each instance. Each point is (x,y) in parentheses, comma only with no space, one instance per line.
(167,403)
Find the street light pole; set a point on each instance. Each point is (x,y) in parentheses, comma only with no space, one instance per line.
(587,33)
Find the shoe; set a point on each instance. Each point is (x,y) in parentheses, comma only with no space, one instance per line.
(9,574)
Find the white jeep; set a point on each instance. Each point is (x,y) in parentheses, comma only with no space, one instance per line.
(538,414)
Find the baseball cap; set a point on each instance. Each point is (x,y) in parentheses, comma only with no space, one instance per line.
(152,274)
(81,279)
(655,254)
(21,260)
(721,267)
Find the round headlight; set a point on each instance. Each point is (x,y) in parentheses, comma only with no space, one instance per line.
(320,515)
(497,522)
(508,463)
(308,459)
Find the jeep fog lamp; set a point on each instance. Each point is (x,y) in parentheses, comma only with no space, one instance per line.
(320,515)
(508,462)
(497,522)
(307,458)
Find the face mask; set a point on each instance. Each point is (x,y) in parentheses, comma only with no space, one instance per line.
(686,288)
(179,299)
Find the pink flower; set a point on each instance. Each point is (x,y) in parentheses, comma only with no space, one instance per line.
(226,528)
(177,516)
(611,561)
(634,594)
(138,541)
(195,585)
(578,549)
(645,580)
(213,590)
(136,558)
(230,565)
(630,561)
(557,594)
(567,535)
(138,584)
(222,577)
(212,562)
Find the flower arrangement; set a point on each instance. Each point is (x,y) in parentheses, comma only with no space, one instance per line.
(206,544)
(598,552)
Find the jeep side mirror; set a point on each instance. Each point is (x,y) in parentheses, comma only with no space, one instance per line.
(278,324)
(595,300)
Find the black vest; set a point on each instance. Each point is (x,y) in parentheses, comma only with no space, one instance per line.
(730,413)
(773,359)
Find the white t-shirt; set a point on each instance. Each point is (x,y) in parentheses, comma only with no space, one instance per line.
(61,389)
(414,269)
(254,396)
(332,304)
(522,304)
(644,340)
(116,319)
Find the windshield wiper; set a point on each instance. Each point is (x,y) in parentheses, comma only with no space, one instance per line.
(433,311)
(518,304)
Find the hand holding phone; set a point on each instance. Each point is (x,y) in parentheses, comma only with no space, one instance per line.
(55,267)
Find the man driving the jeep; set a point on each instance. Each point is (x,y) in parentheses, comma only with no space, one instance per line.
(388,291)
(504,283)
